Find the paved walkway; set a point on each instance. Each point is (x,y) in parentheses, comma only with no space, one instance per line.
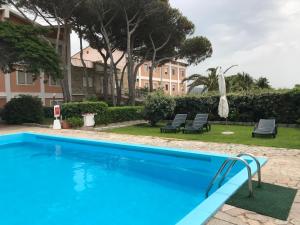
(283,168)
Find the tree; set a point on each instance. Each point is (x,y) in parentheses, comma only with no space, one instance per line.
(161,34)
(22,45)
(60,11)
(103,33)
(241,82)
(262,83)
(209,83)
(168,40)
(133,13)
(196,49)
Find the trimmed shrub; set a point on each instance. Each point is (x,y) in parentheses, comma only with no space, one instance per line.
(24,109)
(158,107)
(48,112)
(76,109)
(75,122)
(121,114)
(284,106)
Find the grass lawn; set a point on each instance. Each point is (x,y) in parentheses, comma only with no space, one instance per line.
(286,138)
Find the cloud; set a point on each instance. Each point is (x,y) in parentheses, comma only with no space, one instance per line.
(261,36)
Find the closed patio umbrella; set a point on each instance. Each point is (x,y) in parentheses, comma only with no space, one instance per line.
(223,109)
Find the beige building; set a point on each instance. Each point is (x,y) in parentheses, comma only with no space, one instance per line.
(167,77)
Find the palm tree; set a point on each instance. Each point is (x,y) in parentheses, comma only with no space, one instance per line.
(263,83)
(209,83)
(241,82)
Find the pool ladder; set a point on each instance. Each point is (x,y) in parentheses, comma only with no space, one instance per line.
(233,161)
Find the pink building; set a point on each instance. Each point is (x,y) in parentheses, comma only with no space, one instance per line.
(167,77)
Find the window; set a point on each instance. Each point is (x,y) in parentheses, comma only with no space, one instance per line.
(24,78)
(173,72)
(173,87)
(90,82)
(167,87)
(166,71)
(182,73)
(146,67)
(53,82)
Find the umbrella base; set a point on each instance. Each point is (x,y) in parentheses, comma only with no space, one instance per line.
(227,132)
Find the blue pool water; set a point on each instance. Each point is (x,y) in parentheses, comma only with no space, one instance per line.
(47,181)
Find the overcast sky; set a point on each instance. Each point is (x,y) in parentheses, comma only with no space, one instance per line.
(261,36)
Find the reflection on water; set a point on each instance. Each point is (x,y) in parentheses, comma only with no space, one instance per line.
(82,177)
(58,151)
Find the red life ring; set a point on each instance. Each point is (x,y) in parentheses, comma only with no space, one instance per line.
(56,111)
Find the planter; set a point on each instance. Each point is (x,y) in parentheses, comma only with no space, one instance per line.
(65,125)
(89,119)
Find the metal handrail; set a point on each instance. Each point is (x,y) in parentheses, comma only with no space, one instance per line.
(233,160)
(233,163)
(257,164)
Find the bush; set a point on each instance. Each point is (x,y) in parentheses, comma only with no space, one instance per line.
(158,107)
(24,109)
(245,107)
(121,114)
(76,109)
(48,112)
(75,122)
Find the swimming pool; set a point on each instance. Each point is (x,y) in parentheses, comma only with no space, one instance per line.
(46,180)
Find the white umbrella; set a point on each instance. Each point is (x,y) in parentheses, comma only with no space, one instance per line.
(223,110)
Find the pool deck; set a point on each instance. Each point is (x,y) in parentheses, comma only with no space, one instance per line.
(283,168)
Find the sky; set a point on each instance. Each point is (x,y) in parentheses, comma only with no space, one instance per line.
(261,36)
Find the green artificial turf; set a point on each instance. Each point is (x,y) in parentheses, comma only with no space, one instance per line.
(286,138)
(269,200)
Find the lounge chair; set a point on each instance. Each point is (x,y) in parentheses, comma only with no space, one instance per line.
(175,125)
(265,127)
(200,122)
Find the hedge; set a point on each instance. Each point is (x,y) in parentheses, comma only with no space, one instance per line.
(76,109)
(284,106)
(104,114)
(48,112)
(23,109)
(75,122)
(121,114)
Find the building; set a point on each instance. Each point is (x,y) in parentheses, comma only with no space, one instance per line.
(94,83)
(167,77)
(20,82)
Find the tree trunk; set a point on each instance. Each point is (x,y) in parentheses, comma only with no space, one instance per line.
(131,76)
(66,58)
(85,75)
(105,82)
(112,85)
(151,78)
